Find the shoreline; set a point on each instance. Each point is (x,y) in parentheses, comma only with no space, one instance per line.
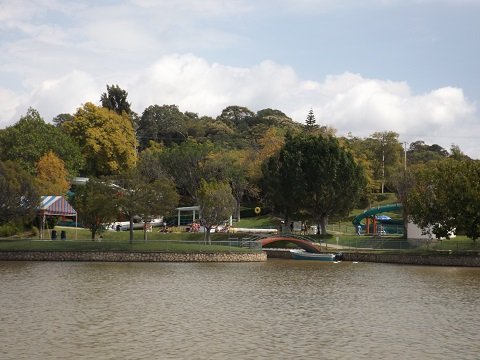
(402,259)
(159,256)
(124,256)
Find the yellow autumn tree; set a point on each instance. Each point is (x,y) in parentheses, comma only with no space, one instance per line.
(52,177)
(106,138)
(269,144)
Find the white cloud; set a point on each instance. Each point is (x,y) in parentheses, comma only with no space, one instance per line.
(57,96)
(9,102)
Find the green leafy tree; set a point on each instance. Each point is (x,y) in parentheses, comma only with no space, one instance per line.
(107,140)
(165,124)
(446,198)
(363,156)
(421,153)
(386,153)
(238,118)
(457,154)
(115,99)
(31,138)
(186,165)
(283,178)
(19,196)
(231,166)
(403,182)
(313,177)
(137,196)
(95,203)
(61,118)
(216,204)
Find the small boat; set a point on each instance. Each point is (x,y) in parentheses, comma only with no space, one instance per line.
(303,255)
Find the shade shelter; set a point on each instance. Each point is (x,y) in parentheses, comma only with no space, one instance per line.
(53,205)
(194,210)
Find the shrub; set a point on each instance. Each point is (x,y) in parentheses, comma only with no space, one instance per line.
(8,229)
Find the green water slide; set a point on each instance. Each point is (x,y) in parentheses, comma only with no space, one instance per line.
(375,210)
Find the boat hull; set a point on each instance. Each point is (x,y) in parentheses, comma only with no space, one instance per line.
(303,255)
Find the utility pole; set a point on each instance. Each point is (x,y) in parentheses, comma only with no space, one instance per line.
(383,162)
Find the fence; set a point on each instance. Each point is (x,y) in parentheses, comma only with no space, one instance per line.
(387,243)
(350,229)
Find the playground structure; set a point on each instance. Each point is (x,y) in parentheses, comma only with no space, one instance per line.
(376,225)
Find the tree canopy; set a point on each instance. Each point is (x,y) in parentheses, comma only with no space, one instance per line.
(115,99)
(31,138)
(313,176)
(19,197)
(96,205)
(107,139)
(137,196)
(216,204)
(52,177)
(446,198)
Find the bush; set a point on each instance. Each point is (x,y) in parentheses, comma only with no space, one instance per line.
(8,229)
(34,232)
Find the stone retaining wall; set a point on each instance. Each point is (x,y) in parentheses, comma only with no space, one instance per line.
(472,260)
(130,256)
(436,260)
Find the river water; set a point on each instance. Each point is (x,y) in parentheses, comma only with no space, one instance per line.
(280,309)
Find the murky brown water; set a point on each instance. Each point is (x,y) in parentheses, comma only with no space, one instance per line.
(281,309)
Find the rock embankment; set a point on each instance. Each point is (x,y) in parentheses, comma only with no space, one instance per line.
(118,256)
(472,260)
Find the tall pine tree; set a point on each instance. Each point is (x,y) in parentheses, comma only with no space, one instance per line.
(311,122)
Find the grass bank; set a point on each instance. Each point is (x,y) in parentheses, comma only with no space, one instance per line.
(164,246)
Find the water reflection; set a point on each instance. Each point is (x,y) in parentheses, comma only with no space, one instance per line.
(278,310)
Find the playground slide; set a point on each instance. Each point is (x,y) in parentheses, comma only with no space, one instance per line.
(375,210)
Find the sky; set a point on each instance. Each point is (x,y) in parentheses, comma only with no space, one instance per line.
(409,66)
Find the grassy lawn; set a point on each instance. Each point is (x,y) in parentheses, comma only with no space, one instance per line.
(460,243)
(164,246)
(259,222)
(182,241)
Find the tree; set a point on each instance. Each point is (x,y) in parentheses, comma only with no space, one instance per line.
(52,177)
(61,118)
(421,153)
(30,138)
(403,183)
(428,202)
(310,121)
(115,99)
(232,167)
(457,154)
(313,176)
(364,157)
(446,198)
(186,165)
(386,154)
(216,204)
(283,178)
(18,194)
(164,124)
(147,199)
(237,117)
(95,204)
(107,140)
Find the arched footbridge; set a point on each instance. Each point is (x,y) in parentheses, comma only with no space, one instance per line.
(301,241)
